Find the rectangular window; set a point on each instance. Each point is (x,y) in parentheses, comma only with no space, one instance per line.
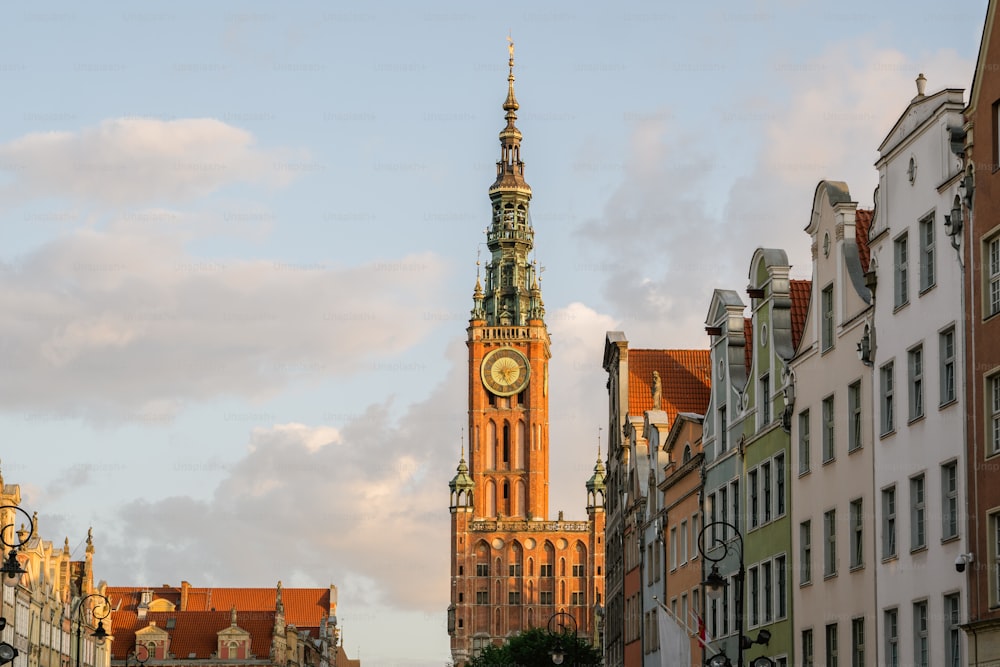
(673,548)
(805,552)
(545,570)
(734,493)
(946,342)
(754,596)
(901,295)
(857,534)
(807,648)
(993,275)
(830,543)
(577,597)
(995,570)
(831,645)
(828,432)
(858,642)
(483,569)
(889,522)
(918,514)
(723,429)
(920,656)
(994,428)
(695,534)
(483,597)
(723,509)
(754,502)
(764,400)
(854,441)
(826,303)
(781,574)
(915,358)
(767,590)
(927,277)
(803,441)
(579,570)
(765,474)
(545,597)
(953,631)
(513,597)
(514,570)
(779,484)
(887,401)
(892,638)
(949,500)
(682,548)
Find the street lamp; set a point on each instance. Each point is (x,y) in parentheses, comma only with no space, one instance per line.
(715,586)
(137,656)
(11,569)
(566,625)
(99,634)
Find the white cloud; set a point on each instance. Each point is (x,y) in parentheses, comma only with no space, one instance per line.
(128,161)
(104,325)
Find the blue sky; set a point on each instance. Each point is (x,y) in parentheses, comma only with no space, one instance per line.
(240,244)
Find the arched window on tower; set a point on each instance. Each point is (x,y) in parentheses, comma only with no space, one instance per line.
(491,498)
(491,445)
(506,445)
(520,502)
(506,498)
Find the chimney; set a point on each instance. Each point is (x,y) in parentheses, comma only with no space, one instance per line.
(185,587)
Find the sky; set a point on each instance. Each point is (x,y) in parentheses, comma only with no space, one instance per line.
(239,246)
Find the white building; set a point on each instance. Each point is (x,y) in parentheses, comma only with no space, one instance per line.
(833,587)
(918,416)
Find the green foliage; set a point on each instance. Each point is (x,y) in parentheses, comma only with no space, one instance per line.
(532,648)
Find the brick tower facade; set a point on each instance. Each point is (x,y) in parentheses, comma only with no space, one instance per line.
(511,567)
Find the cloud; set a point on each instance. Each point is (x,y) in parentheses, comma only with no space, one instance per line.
(129,162)
(109,325)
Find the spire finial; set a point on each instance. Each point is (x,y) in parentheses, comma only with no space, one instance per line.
(599,428)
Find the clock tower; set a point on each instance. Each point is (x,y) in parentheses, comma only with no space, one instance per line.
(512,568)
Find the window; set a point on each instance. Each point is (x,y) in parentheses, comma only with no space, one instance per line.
(927,253)
(767,590)
(805,552)
(682,548)
(580,570)
(734,493)
(695,534)
(513,597)
(993,275)
(858,642)
(754,503)
(781,573)
(857,534)
(577,597)
(807,648)
(888,418)
(828,433)
(545,570)
(514,570)
(918,514)
(779,484)
(826,303)
(831,645)
(994,429)
(949,500)
(673,548)
(754,596)
(901,295)
(946,342)
(920,634)
(545,597)
(892,638)
(952,629)
(995,526)
(765,473)
(854,417)
(483,597)
(482,569)
(889,522)
(916,370)
(723,429)
(803,441)
(830,543)
(723,510)
(764,400)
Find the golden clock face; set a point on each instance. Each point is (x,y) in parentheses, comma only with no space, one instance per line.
(505,371)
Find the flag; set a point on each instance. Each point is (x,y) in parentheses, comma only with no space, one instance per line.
(675,645)
(703,638)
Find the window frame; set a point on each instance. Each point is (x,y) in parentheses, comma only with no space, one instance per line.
(805,552)
(927,246)
(901,271)
(887,398)
(830,543)
(855,431)
(890,523)
(921,639)
(829,415)
(918,512)
(826,309)
(947,372)
(950,507)
(803,442)
(915,381)
(857,519)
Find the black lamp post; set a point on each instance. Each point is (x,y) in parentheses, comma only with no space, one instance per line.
(11,571)
(137,656)
(565,623)
(99,634)
(715,586)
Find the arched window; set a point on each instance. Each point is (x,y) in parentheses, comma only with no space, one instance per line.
(491,498)
(687,453)
(491,445)
(506,445)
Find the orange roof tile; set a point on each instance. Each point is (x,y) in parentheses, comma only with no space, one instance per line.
(193,632)
(800,294)
(685,380)
(862,223)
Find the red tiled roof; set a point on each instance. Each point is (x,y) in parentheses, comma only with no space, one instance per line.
(685,380)
(862,223)
(800,291)
(748,350)
(193,631)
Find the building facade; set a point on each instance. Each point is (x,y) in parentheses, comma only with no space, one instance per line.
(979,206)
(918,416)
(512,567)
(832,452)
(51,602)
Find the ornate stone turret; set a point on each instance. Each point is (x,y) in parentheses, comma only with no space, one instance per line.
(512,295)
(461,484)
(595,485)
